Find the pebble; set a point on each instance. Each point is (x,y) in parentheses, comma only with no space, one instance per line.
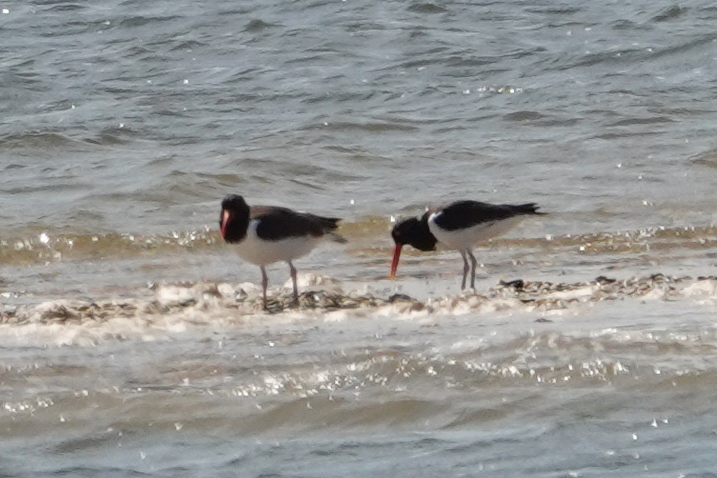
(246,300)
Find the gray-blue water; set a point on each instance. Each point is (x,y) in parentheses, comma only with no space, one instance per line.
(123,126)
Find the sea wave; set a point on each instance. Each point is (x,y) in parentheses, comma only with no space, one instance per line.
(38,245)
(176,308)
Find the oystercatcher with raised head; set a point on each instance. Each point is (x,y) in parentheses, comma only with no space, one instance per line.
(267,234)
(458,226)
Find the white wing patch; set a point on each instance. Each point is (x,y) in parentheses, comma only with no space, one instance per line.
(262,252)
(463,239)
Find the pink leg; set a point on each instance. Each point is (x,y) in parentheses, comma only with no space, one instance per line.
(264,284)
(293,280)
(474,263)
(465,269)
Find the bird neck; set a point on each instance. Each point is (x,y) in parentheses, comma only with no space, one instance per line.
(422,237)
(234,224)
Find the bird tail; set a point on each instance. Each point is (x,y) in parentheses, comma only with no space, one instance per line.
(336,237)
(529,208)
(329,226)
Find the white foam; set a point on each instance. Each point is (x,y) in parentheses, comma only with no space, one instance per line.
(703,288)
(180,309)
(578,293)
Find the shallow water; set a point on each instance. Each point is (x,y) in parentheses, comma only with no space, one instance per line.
(586,378)
(132,340)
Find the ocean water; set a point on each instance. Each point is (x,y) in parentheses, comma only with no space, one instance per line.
(131,339)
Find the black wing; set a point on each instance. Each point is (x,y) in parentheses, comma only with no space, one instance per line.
(464,214)
(276,223)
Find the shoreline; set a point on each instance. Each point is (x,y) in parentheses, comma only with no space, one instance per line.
(202,303)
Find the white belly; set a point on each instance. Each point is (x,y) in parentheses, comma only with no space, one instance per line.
(463,239)
(262,252)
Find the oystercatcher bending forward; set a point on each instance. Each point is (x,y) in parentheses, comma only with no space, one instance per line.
(458,226)
(267,234)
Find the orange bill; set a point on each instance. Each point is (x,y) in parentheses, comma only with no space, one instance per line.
(396,257)
(226,216)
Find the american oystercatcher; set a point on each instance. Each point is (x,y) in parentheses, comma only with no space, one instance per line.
(458,226)
(267,234)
